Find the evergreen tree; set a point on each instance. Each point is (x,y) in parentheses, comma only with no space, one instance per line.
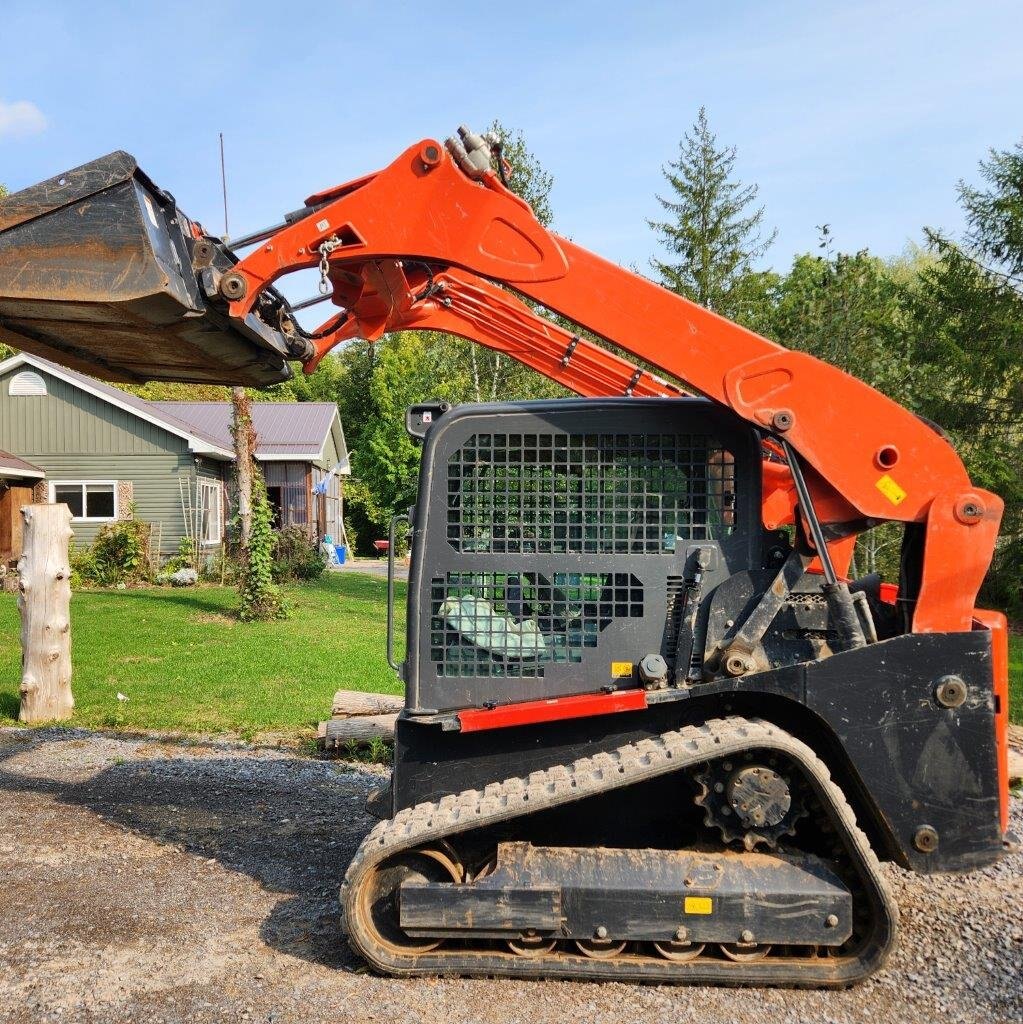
(712,233)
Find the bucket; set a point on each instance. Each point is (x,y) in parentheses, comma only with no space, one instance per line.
(100,271)
(342,553)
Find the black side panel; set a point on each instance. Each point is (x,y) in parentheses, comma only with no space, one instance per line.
(903,760)
(919,763)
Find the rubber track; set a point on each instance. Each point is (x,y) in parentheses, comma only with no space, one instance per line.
(589,776)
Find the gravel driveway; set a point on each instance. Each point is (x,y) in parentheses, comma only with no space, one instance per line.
(156,882)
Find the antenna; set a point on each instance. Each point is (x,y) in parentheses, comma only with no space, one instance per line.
(223,182)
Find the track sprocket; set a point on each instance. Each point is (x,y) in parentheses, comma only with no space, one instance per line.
(754,800)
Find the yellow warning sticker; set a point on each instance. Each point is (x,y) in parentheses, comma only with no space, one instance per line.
(621,669)
(891,490)
(699,905)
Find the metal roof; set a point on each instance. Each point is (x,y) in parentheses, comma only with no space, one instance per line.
(297,429)
(12,466)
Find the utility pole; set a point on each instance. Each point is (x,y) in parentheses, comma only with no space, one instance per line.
(223,183)
(241,409)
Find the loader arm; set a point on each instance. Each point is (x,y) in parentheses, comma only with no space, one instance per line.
(482,312)
(432,219)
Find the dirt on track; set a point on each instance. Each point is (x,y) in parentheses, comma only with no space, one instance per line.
(158,882)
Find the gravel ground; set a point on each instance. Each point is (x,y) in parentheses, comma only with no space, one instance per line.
(157,882)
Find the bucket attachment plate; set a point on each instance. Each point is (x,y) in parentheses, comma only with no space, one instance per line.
(101,272)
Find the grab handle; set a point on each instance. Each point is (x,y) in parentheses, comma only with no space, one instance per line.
(390,589)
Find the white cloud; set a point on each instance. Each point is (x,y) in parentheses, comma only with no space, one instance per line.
(21,117)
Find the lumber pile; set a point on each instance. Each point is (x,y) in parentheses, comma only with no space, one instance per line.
(1015,753)
(358,718)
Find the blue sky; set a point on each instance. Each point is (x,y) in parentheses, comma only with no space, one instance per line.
(861,115)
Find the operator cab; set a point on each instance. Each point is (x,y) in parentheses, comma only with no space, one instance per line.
(558,545)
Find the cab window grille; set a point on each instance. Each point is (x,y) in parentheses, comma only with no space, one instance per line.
(515,624)
(557,493)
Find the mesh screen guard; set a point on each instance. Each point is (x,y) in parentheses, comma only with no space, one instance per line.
(557,492)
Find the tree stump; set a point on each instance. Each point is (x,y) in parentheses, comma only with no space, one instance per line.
(44,601)
(1015,752)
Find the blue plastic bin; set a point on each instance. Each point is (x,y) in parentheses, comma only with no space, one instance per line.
(342,553)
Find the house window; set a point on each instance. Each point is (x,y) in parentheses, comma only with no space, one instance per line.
(210,512)
(88,500)
(27,384)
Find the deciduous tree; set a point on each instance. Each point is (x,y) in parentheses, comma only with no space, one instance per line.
(487,375)
(968,348)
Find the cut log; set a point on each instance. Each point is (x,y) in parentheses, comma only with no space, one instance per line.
(1015,753)
(354,703)
(339,732)
(44,600)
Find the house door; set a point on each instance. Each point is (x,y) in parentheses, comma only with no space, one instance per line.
(11,503)
(275,496)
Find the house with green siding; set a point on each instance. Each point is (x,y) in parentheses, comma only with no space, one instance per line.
(110,455)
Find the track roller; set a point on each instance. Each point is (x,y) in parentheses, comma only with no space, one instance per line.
(600,949)
(532,946)
(740,953)
(679,952)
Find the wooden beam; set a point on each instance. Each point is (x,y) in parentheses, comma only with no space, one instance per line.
(1015,753)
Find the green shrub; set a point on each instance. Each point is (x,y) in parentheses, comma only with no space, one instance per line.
(184,559)
(119,553)
(261,598)
(84,571)
(295,557)
(365,520)
(221,566)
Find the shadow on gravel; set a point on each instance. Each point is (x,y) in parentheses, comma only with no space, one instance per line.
(292,824)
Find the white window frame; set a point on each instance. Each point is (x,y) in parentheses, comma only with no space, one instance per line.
(204,488)
(54,484)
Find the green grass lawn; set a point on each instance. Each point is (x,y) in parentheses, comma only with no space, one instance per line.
(186,664)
